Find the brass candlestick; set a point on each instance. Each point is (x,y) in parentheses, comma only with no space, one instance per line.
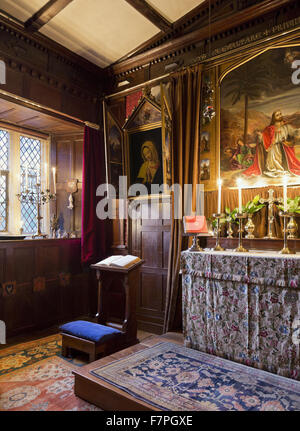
(39,198)
(218,246)
(285,249)
(241,217)
(250,227)
(229,230)
(292,228)
(195,246)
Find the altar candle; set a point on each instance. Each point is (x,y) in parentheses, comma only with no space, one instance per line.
(219,195)
(54,180)
(239,183)
(284,194)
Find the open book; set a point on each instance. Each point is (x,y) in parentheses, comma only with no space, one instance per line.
(120,261)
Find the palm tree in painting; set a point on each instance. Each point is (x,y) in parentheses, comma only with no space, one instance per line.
(249,82)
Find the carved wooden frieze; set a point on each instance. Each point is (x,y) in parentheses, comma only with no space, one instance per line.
(231,27)
(31,56)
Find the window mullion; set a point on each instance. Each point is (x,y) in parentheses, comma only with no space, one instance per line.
(14,208)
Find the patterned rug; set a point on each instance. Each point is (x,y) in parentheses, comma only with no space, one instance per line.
(22,355)
(176,378)
(34,377)
(47,385)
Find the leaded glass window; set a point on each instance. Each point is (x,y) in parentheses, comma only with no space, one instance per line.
(4,146)
(30,168)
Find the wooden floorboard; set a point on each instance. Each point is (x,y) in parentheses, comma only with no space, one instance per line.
(107,396)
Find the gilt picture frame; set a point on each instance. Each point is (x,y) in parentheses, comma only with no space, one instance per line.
(114,140)
(144,146)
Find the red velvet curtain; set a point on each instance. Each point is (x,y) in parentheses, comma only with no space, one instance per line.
(93,236)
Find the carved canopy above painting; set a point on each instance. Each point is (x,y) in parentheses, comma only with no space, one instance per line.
(147,139)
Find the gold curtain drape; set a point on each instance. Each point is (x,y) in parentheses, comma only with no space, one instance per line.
(260,219)
(185,92)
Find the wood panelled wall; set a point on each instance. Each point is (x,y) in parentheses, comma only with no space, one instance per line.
(41,284)
(149,238)
(66,155)
(44,72)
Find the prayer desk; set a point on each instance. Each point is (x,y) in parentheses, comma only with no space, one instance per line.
(128,278)
(104,336)
(243,307)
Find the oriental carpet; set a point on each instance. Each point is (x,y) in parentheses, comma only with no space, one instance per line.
(47,385)
(34,378)
(172,377)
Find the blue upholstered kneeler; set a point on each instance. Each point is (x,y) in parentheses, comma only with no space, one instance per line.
(88,337)
(89,331)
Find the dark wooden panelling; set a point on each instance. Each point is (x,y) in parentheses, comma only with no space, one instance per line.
(150,292)
(23,259)
(48,74)
(149,239)
(50,260)
(68,149)
(51,286)
(2,265)
(166,243)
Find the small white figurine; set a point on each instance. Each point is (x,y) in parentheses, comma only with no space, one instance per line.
(71,200)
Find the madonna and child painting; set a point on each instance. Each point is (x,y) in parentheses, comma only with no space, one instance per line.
(145,158)
(260,121)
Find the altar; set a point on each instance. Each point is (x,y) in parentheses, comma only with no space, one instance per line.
(243,307)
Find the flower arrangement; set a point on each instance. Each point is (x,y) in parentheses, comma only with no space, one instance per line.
(253,206)
(293,205)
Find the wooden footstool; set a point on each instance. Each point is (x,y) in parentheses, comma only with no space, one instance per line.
(87,337)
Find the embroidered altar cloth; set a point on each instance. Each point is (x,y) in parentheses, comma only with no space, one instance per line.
(243,307)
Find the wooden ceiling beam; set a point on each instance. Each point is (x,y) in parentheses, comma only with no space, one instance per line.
(151,14)
(196,36)
(45,14)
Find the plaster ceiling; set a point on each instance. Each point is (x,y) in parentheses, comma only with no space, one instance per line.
(102,31)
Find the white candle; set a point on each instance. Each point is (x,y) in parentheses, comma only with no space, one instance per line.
(239,183)
(219,195)
(38,179)
(284,194)
(54,180)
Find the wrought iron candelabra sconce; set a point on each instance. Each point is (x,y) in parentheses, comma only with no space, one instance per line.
(37,197)
(241,217)
(218,217)
(288,228)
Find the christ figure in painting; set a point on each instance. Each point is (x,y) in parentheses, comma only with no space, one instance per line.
(275,152)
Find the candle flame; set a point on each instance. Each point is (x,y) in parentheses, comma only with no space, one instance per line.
(239,182)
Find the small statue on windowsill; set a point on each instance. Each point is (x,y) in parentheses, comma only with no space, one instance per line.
(54,226)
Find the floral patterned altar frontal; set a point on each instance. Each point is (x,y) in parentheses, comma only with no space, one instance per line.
(242,307)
